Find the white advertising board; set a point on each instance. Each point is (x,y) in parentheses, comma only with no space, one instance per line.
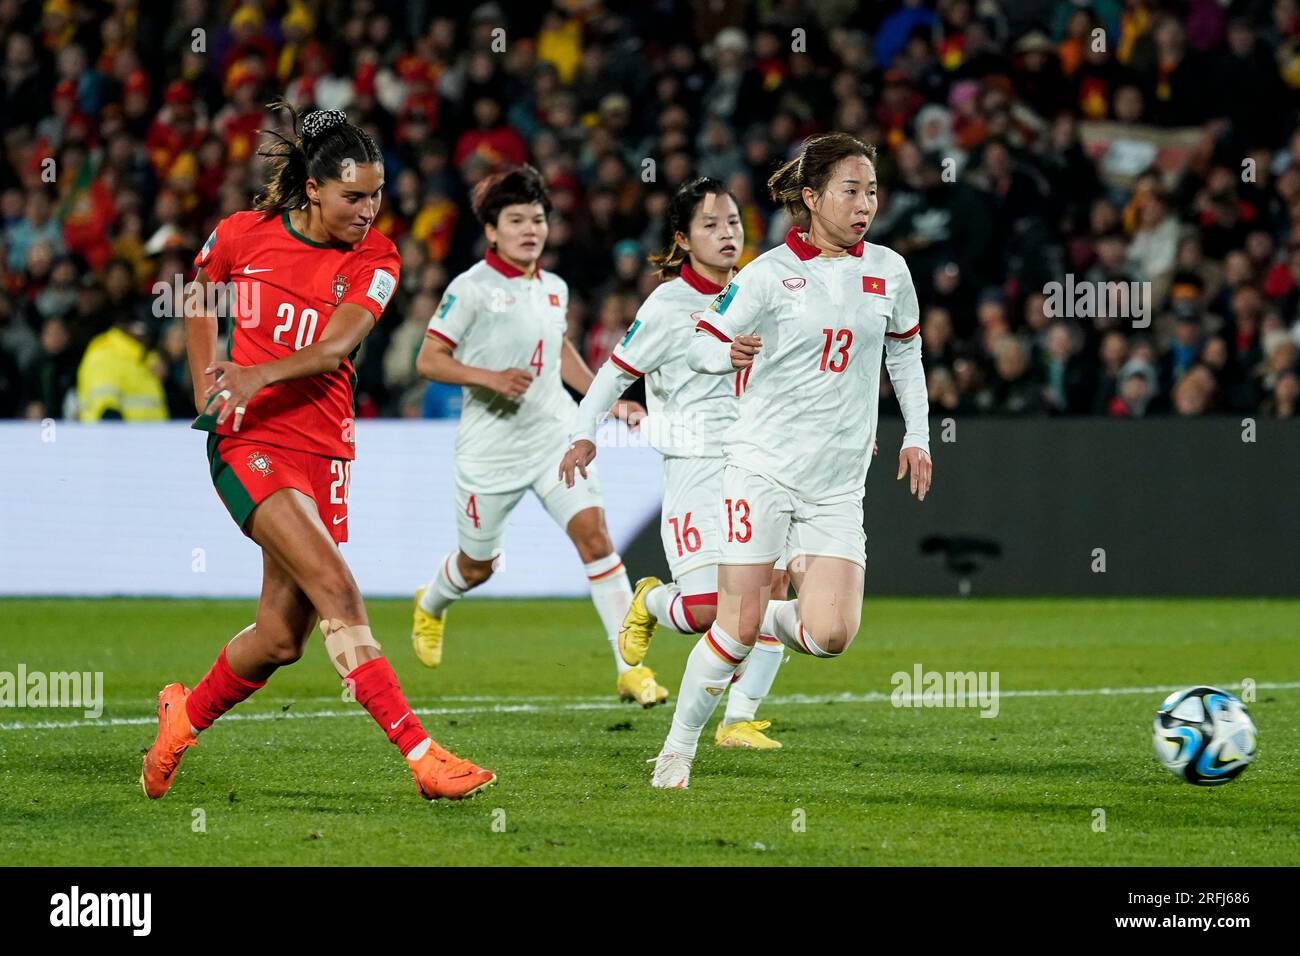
(118,509)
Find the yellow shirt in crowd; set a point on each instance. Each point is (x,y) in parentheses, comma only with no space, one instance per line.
(116,375)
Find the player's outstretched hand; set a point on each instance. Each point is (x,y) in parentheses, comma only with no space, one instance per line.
(918,461)
(630,412)
(577,458)
(235,385)
(743,350)
(512,383)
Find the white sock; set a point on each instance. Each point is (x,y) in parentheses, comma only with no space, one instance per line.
(445,588)
(708,672)
(756,682)
(809,646)
(612,595)
(420,749)
(781,620)
(665,603)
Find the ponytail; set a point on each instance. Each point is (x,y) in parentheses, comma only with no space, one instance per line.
(318,151)
(812,168)
(668,265)
(786,185)
(681,210)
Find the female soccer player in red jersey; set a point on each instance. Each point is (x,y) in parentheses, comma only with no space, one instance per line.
(309,279)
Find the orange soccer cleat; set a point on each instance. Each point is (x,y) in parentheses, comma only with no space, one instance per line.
(174,738)
(442,774)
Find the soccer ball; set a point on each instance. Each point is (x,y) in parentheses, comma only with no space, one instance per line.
(1204,735)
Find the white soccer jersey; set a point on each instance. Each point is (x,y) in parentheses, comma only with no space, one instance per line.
(688,412)
(496,317)
(807,416)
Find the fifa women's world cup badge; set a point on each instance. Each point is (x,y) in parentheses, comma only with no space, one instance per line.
(341,284)
(260,462)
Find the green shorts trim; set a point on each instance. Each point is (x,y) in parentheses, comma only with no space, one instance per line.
(230,490)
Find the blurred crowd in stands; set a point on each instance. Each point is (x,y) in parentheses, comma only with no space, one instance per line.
(1085,142)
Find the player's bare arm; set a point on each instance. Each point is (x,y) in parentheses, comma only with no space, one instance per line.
(573,370)
(436,363)
(237,384)
(575,374)
(200,342)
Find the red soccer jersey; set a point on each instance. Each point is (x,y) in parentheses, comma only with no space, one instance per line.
(285,288)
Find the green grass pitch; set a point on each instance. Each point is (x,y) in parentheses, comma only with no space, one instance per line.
(527,688)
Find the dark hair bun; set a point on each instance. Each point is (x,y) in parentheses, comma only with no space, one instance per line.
(323,141)
(317,122)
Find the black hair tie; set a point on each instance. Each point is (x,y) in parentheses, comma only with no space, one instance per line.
(315,123)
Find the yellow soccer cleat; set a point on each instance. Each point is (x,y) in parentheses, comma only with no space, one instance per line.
(426,634)
(747,734)
(638,624)
(638,684)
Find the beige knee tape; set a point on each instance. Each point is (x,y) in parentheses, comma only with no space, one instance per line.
(342,641)
(246,630)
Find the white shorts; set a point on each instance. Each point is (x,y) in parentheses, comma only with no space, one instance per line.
(481,516)
(761,521)
(688,524)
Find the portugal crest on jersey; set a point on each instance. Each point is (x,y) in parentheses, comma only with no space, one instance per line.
(260,462)
(341,284)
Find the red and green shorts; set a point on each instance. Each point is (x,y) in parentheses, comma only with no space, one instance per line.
(246,473)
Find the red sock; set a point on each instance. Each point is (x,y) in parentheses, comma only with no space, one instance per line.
(220,689)
(375,687)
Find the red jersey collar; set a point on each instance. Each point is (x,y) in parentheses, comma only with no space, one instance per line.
(805,250)
(505,268)
(698,282)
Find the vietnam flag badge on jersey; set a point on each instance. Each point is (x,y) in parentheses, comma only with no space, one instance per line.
(873,284)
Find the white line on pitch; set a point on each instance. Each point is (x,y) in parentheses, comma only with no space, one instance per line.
(543,705)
